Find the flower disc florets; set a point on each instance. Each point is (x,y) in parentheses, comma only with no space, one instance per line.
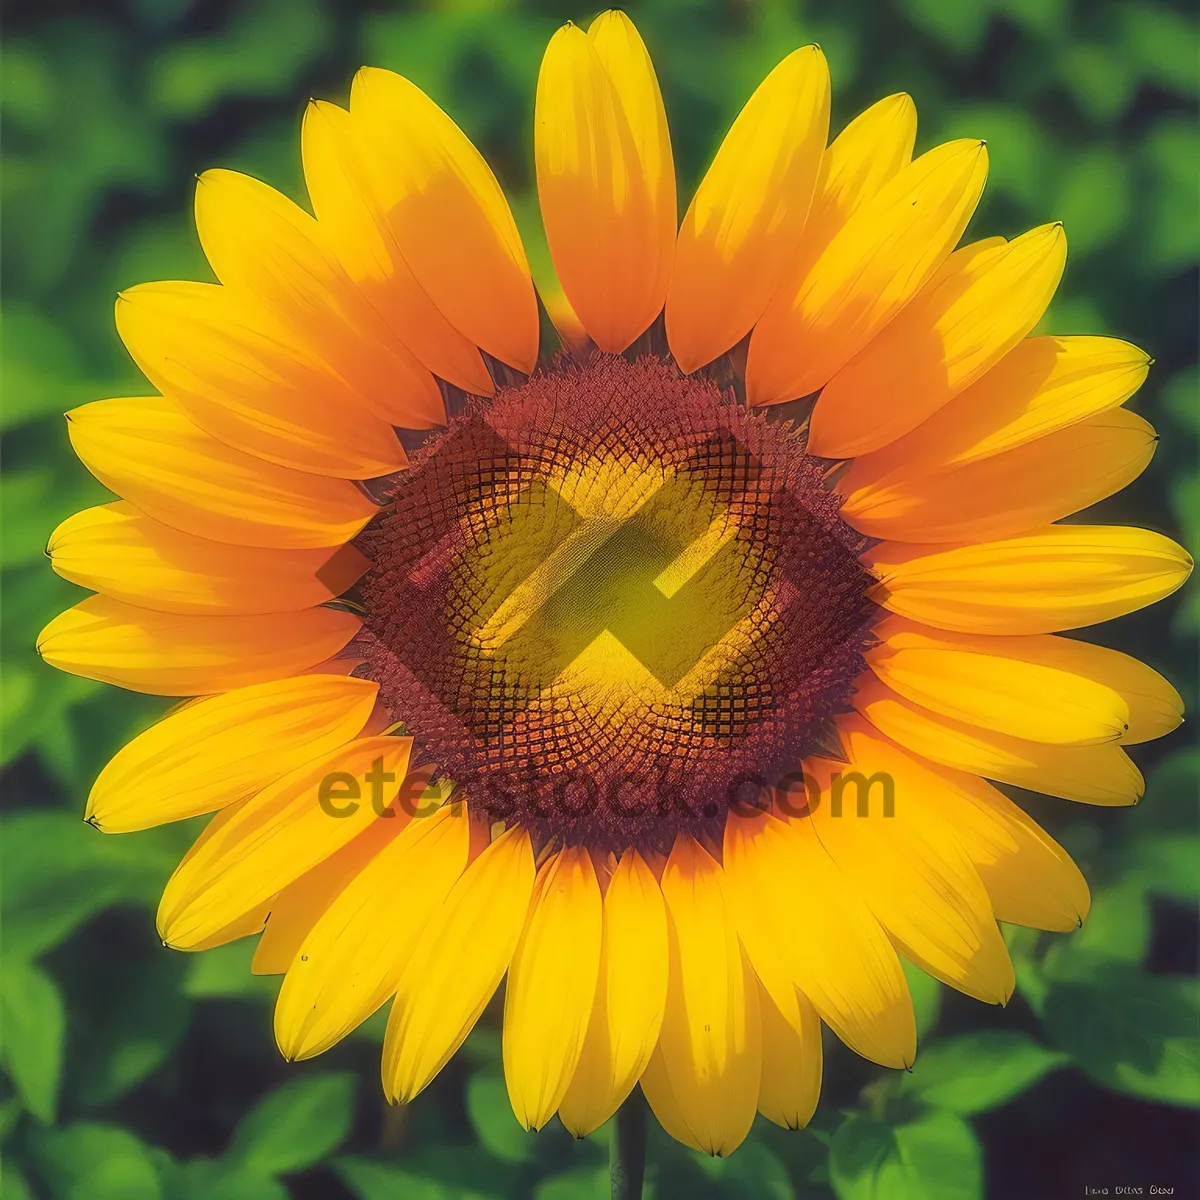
(612,602)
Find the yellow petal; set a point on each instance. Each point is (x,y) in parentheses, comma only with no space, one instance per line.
(660,1095)
(220,750)
(149,453)
(782,881)
(1004,684)
(1041,386)
(448,216)
(981,303)
(1101,774)
(873,149)
(1020,489)
(350,961)
(791,1064)
(270,252)
(1061,577)
(196,343)
(879,260)
(278,835)
(360,236)
(1155,707)
(552,985)
(711,1038)
(907,865)
(1030,878)
(120,552)
(606,178)
(631,995)
(246,925)
(457,964)
(744,225)
(170,655)
(297,907)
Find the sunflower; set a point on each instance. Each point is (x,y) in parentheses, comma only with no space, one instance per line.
(658,666)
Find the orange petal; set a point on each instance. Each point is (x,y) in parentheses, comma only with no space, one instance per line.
(448,216)
(606,179)
(742,229)
(170,655)
(148,452)
(279,261)
(982,302)
(877,262)
(337,172)
(120,552)
(1005,494)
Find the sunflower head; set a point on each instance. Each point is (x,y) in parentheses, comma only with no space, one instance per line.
(663,665)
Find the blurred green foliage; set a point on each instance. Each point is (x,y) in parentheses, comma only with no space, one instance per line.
(132,1073)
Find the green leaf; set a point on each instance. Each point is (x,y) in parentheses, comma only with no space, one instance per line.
(936,1157)
(1046,18)
(1117,929)
(1018,151)
(976,1072)
(130,1026)
(754,1172)
(57,872)
(1022,946)
(223,973)
(1100,78)
(1100,171)
(295,1125)
(1172,149)
(1167,865)
(926,995)
(261,54)
(12,1184)
(10,1116)
(210,1179)
(959,26)
(34,1023)
(1131,1032)
(587,1183)
(1172,799)
(492,1116)
(95,1162)
(383,1181)
(1181,398)
(43,374)
(1162,45)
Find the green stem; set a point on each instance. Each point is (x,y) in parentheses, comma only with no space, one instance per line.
(627,1152)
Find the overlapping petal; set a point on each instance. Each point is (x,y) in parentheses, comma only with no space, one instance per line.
(198,344)
(631,994)
(337,173)
(445,212)
(877,262)
(552,985)
(168,654)
(350,961)
(273,838)
(711,1039)
(251,736)
(606,178)
(120,552)
(457,964)
(1061,577)
(1024,488)
(149,453)
(979,305)
(745,223)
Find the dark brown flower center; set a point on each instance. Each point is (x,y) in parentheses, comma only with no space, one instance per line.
(611,602)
